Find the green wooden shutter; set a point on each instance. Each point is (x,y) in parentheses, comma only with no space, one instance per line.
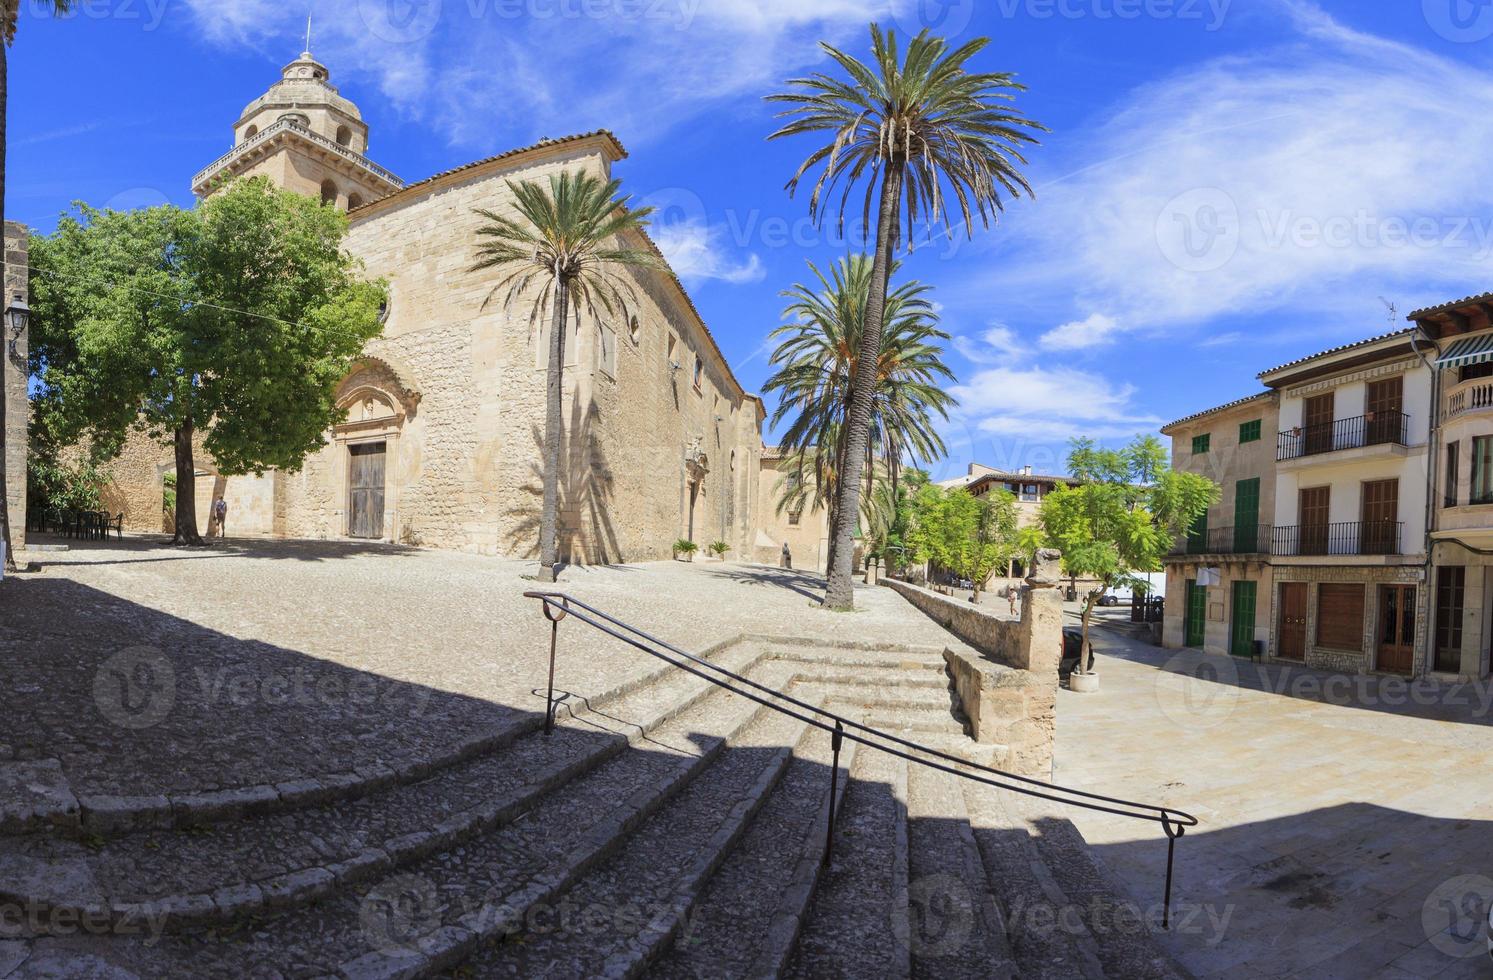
(1242,635)
(1247,516)
(1197,535)
(1195,614)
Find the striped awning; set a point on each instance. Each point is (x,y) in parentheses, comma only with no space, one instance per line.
(1468,350)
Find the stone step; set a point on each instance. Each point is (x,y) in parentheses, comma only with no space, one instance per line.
(440,909)
(1121,928)
(857,924)
(749,914)
(917,724)
(282,860)
(956,929)
(94,815)
(1047,937)
(913,662)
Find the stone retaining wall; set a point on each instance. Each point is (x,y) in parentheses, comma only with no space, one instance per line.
(1008,691)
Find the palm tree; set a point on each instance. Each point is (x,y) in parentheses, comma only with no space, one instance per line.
(566,244)
(817,358)
(924,129)
(8,11)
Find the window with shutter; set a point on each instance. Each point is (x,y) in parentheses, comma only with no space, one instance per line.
(1340,616)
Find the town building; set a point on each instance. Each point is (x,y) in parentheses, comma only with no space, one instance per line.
(1461,492)
(1219,591)
(445,411)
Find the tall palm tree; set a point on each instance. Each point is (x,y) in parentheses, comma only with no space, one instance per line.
(924,129)
(8,11)
(817,359)
(567,244)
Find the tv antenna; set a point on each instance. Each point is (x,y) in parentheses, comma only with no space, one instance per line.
(1394,313)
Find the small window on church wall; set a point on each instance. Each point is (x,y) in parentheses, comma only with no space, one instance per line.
(354,201)
(635,330)
(251,132)
(344,136)
(699,371)
(328,192)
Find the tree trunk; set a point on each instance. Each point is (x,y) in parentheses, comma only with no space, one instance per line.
(549,517)
(841,591)
(186,487)
(10,555)
(1085,665)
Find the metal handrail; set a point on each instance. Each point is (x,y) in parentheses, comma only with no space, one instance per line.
(558,605)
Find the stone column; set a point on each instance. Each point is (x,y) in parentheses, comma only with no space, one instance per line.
(1040,643)
(17,411)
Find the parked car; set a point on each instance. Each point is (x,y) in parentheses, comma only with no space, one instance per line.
(1117,597)
(1073,651)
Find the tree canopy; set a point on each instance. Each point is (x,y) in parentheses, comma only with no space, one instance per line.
(237,319)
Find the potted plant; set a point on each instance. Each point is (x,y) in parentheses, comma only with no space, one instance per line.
(686,549)
(719,549)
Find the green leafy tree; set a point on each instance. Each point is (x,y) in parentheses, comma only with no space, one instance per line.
(816,359)
(9,9)
(233,322)
(991,536)
(1123,516)
(936,139)
(564,252)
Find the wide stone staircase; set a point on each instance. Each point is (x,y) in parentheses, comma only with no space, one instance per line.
(670,828)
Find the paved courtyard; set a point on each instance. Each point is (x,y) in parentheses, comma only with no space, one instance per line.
(1346,830)
(1347,824)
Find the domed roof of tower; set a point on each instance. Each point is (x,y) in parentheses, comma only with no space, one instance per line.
(303,83)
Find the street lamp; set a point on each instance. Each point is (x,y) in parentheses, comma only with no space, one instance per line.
(17,316)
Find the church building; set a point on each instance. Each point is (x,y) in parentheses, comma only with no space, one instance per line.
(442,441)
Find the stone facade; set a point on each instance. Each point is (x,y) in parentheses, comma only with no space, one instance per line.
(661,440)
(1365,658)
(14,440)
(806,532)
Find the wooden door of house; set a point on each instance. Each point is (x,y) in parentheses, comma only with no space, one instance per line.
(1313,510)
(1384,402)
(1379,532)
(1195,614)
(1242,626)
(365,490)
(1397,628)
(1317,423)
(1291,641)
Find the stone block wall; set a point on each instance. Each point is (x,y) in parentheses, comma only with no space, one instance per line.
(17,411)
(1009,692)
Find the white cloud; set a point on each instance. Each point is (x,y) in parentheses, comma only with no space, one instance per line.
(1094,331)
(695,251)
(997,345)
(1311,177)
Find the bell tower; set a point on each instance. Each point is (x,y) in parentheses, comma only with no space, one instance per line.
(305,137)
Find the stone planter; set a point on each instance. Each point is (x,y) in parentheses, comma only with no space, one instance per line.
(1083,683)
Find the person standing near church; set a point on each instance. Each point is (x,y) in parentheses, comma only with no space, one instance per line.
(220,514)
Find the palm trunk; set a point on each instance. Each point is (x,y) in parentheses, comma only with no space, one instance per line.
(549,517)
(834,507)
(841,592)
(10,555)
(186,487)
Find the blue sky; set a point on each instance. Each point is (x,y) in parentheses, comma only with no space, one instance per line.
(1227,184)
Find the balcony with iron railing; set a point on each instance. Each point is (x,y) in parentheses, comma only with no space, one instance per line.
(1358,432)
(1246,539)
(1344,538)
